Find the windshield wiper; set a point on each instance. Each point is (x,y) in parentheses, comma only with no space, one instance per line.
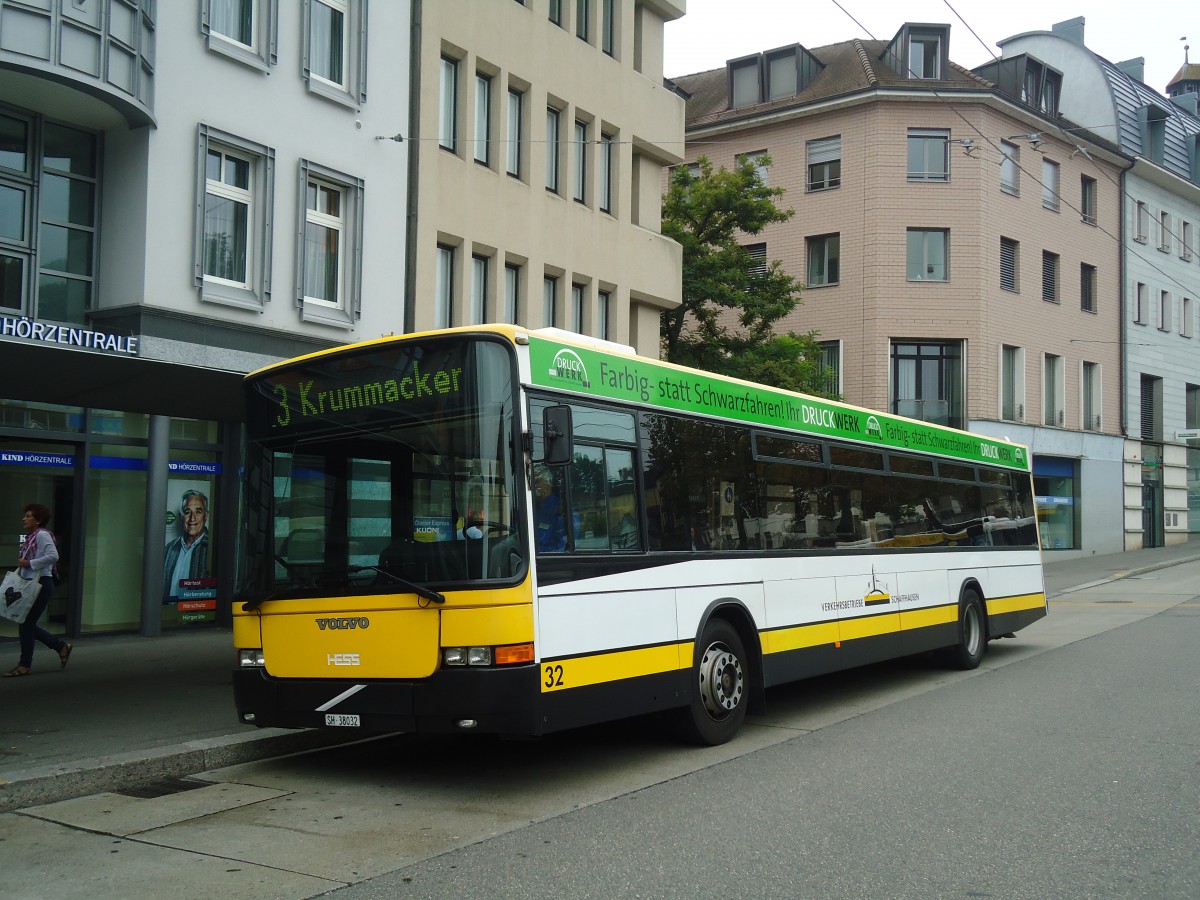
(428,593)
(311,580)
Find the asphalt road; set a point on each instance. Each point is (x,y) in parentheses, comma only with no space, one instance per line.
(1075,774)
(1066,766)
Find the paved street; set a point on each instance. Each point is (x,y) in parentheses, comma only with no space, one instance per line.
(1066,761)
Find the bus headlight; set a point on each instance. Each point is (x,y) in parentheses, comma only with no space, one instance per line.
(467,656)
(248,659)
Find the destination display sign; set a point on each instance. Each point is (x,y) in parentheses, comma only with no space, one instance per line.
(591,373)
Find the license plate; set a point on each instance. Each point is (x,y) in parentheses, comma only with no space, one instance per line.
(340,720)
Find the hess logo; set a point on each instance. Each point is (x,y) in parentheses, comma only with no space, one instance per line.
(343,659)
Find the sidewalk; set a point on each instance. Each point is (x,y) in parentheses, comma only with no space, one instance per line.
(130,710)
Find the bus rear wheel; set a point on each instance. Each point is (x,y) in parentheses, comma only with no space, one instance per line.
(967,653)
(719,688)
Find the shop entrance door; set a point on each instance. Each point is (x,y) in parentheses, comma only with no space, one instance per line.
(45,474)
(1152,514)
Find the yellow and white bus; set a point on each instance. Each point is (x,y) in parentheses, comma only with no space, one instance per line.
(516,531)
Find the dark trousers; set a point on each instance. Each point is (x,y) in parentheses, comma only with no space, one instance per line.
(29,630)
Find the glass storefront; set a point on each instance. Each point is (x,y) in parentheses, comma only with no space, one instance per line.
(1056,484)
(90,467)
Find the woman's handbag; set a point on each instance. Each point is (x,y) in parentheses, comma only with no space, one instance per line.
(17,597)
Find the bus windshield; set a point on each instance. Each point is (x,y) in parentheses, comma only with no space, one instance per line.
(382,469)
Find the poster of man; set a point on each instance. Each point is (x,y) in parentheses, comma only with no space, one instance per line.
(187,557)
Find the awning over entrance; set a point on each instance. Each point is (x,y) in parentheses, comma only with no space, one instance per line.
(35,372)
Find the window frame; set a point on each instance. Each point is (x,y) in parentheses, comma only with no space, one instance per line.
(925,139)
(1050,185)
(1012,383)
(604,170)
(448,103)
(549,300)
(1185,317)
(1185,240)
(348,309)
(1088,280)
(828,153)
(1010,162)
(515,156)
(480,278)
(263,51)
(481,140)
(512,292)
(923,38)
(352,90)
(1053,384)
(1141,222)
(445,257)
(1088,199)
(926,234)
(1164,231)
(823,241)
(553,149)
(579,175)
(255,293)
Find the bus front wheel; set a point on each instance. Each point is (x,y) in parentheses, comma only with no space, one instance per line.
(972,634)
(719,687)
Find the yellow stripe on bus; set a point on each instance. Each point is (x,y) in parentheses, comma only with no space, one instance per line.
(582,671)
(799,637)
(1015,603)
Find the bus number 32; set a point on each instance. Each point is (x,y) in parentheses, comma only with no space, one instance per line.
(554,676)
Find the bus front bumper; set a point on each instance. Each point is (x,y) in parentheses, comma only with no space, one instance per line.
(494,701)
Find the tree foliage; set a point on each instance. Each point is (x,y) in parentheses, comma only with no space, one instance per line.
(732,301)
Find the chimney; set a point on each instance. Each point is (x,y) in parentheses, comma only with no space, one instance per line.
(1071,30)
(1134,68)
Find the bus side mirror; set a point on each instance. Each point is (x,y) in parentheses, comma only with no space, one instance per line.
(558,435)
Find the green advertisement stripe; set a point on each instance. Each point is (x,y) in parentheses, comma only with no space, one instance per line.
(592,373)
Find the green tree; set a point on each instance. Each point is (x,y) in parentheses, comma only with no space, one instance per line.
(731,300)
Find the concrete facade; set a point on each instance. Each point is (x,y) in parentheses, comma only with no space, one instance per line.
(595,234)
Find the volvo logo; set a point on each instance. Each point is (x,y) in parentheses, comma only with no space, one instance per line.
(350,623)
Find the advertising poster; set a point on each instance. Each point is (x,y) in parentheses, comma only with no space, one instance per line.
(189,581)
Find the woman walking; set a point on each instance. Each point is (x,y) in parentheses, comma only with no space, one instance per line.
(36,562)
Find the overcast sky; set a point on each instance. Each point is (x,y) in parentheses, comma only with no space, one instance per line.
(714,31)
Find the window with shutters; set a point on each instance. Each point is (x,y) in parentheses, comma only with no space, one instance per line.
(1009,250)
(1049,276)
(1087,288)
(1151,408)
(758,265)
(824,163)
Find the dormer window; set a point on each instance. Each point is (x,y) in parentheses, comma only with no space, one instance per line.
(773,75)
(925,56)
(919,52)
(1027,80)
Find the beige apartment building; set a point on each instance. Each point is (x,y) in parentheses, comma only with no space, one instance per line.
(959,242)
(543,129)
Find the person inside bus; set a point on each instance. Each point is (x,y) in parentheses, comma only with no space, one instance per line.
(550,535)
